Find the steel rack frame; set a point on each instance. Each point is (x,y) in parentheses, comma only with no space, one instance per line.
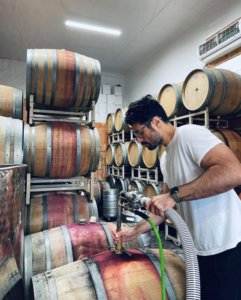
(145,174)
(43,115)
(118,137)
(177,240)
(193,117)
(116,171)
(34,184)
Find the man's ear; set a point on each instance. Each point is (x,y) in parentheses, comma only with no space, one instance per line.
(156,121)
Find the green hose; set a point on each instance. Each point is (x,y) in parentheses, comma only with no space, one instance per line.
(161,258)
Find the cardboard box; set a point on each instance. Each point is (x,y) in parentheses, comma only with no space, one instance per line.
(110,99)
(117,90)
(118,100)
(102,98)
(111,108)
(106,89)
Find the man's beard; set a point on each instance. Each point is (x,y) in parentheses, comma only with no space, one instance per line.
(157,140)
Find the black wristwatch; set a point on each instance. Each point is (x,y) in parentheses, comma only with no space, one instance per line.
(173,193)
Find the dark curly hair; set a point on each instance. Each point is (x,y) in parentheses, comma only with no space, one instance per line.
(144,110)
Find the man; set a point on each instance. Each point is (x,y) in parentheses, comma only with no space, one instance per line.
(199,174)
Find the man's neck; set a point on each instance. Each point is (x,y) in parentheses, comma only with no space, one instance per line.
(169,134)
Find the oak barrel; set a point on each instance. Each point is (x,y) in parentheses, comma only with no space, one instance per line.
(139,185)
(38,194)
(51,211)
(11,286)
(121,154)
(11,102)
(60,78)
(110,124)
(61,150)
(151,189)
(120,123)
(121,185)
(170,98)
(230,138)
(135,154)
(114,277)
(11,141)
(62,245)
(111,180)
(150,157)
(153,96)
(110,154)
(217,89)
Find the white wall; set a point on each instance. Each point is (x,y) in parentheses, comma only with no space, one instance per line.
(13,73)
(173,62)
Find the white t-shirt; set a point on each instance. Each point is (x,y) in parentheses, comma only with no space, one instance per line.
(214,222)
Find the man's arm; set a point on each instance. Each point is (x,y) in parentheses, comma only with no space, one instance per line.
(223,173)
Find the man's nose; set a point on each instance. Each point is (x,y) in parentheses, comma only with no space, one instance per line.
(139,139)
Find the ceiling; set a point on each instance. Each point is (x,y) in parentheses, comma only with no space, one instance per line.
(146,25)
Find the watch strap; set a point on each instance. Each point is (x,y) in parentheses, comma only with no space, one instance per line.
(174,192)
(176,198)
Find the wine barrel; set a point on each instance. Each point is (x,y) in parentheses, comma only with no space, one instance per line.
(120,123)
(11,136)
(111,180)
(110,203)
(139,185)
(134,154)
(59,246)
(11,286)
(133,277)
(37,194)
(121,185)
(61,150)
(170,98)
(217,89)
(150,157)
(110,155)
(51,211)
(11,102)
(152,96)
(151,190)
(110,124)
(60,78)
(230,138)
(121,154)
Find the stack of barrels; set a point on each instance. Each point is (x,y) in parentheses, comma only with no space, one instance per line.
(218,90)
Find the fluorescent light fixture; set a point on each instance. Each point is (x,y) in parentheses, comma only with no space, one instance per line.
(93,28)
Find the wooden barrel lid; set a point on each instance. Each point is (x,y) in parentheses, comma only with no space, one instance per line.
(195,90)
(133,154)
(109,154)
(109,123)
(118,154)
(151,190)
(167,98)
(149,157)
(120,118)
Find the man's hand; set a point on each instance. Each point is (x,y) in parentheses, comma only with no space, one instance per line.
(159,204)
(128,234)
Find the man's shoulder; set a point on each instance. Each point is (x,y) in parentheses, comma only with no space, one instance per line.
(191,129)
